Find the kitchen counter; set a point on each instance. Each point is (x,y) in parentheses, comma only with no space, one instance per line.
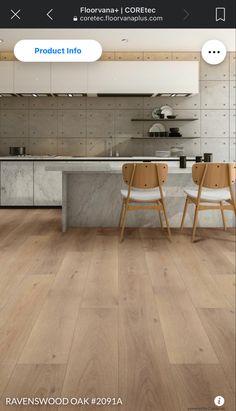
(25,180)
(76,158)
(91,196)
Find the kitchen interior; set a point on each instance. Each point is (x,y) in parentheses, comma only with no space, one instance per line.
(159,310)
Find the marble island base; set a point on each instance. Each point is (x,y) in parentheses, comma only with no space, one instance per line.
(92,199)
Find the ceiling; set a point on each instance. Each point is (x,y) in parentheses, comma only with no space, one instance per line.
(138,39)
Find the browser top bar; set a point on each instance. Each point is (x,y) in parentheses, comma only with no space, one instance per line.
(118,14)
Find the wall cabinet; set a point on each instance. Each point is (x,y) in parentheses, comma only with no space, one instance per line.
(143,77)
(17,183)
(69,78)
(114,77)
(6,76)
(32,77)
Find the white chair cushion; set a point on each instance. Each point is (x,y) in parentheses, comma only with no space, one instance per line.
(142,195)
(211,195)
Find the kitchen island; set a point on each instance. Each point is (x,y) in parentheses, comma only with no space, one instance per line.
(91,196)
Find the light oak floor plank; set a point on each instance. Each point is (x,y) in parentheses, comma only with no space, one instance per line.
(15,267)
(198,385)
(135,287)
(185,337)
(101,289)
(51,336)
(34,381)
(93,362)
(142,351)
(210,253)
(219,325)
(19,314)
(145,380)
(201,285)
(227,285)
(5,375)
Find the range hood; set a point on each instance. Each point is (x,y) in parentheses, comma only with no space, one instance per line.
(145,78)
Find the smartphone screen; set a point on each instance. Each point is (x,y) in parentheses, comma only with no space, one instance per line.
(117,205)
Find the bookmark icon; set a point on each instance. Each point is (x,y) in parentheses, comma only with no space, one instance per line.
(220,13)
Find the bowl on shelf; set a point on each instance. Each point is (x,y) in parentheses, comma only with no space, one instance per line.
(163,134)
(175,135)
(154,133)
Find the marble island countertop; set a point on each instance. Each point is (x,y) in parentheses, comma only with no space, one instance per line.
(110,167)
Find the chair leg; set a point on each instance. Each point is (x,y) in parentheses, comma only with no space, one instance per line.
(122,212)
(184,214)
(195,223)
(123,223)
(223,216)
(166,218)
(161,224)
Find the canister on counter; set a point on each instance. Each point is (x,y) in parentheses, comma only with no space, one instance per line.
(182,162)
(208,157)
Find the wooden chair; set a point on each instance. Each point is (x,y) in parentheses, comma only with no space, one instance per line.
(217,177)
(145,183)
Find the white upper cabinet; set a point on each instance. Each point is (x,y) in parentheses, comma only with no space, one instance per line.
(105,77)
(6,76)
(32,77)
(69,77)
(143,77)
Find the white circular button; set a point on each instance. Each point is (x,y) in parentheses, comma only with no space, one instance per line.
(213,52)
(219,401)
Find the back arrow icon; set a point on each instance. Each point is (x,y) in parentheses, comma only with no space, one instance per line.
(48,14)
(186,14)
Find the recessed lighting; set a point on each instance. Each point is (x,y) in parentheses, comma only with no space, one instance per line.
(34,95)
(70,95)
(1,40)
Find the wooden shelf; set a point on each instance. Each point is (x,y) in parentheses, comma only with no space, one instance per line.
(164,119)
(163,138)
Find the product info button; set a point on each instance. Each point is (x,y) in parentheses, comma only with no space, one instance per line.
(57,50)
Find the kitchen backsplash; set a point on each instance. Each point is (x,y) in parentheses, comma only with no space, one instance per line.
(91,126)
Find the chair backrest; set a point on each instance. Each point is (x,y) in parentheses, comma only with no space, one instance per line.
(214,175)
(143,175)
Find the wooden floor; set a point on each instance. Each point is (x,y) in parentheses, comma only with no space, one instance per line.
(82,315)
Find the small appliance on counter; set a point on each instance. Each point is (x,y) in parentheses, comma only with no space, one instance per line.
(17,151)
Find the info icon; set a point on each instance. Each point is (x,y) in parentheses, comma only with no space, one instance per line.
(219,401)
(213,52)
